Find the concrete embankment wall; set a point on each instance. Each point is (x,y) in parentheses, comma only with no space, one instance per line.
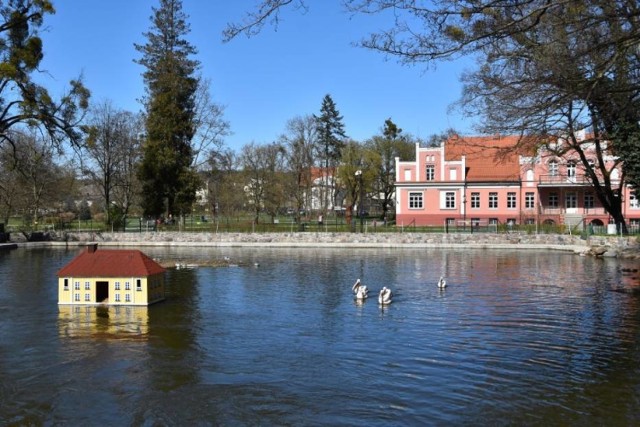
(607,246)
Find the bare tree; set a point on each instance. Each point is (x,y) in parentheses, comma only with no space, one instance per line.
(299,141)
(209,124)
(113,148)
(262,166)
(355,187)
(35,175)
(223,183)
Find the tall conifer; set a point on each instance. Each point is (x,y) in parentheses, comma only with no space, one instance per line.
(168,181)
(331,136)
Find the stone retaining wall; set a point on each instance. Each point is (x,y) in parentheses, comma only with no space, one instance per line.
(595,245)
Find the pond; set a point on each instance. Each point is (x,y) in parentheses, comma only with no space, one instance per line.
(517,338)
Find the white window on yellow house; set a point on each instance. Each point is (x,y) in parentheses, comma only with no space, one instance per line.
(87,286)
(76,297)
(117,297)
(87,297)
(76,286)
(127,298)
(117,286)
(138,285)
(127,286)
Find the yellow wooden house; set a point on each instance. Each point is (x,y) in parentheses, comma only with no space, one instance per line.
(111,276)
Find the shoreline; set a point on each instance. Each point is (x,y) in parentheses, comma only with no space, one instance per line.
(607,246)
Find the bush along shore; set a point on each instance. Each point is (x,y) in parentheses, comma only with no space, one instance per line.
(599,246)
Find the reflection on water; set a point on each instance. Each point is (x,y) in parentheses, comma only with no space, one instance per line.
(527,338)
(103,322)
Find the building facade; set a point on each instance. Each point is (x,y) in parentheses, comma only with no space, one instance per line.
(482,181)
(113,277)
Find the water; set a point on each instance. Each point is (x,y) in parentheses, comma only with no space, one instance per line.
(517,338)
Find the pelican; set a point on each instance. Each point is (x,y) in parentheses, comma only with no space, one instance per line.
(360,290)
(442,283)
(384,297)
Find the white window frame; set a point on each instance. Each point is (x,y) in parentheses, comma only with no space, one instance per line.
(449,200)
(529,200)
(475,200)
(634,203)
(430,172)
(493,200)
(512,202)
(416,200)
(87,286)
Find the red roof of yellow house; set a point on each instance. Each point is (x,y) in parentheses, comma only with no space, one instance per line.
(487,158)
(111,263)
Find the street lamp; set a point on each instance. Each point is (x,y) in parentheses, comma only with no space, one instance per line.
(360,200)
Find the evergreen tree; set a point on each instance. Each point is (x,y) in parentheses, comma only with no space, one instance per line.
(168,181)
(331,136)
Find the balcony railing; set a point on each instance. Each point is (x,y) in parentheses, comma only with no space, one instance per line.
(546,210)
(563,179)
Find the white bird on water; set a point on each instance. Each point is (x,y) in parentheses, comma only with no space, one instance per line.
(442,283)
(385,295)
(360,290)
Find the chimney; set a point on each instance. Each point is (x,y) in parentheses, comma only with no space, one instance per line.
(92,247)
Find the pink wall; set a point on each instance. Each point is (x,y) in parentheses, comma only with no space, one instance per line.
(563,184)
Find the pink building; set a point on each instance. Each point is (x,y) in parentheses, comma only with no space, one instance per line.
(475,181)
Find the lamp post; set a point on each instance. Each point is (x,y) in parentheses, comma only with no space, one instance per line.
(360,200)
(464,213)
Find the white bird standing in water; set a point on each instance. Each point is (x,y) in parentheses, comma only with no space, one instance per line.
(442,283)
(360,290)
(385,295)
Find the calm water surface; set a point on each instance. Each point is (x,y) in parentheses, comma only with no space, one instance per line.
(518,338)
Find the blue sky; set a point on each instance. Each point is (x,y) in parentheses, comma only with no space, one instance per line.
(262,81)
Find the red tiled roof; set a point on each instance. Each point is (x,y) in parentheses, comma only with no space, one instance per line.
(487,158)
(111,263)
